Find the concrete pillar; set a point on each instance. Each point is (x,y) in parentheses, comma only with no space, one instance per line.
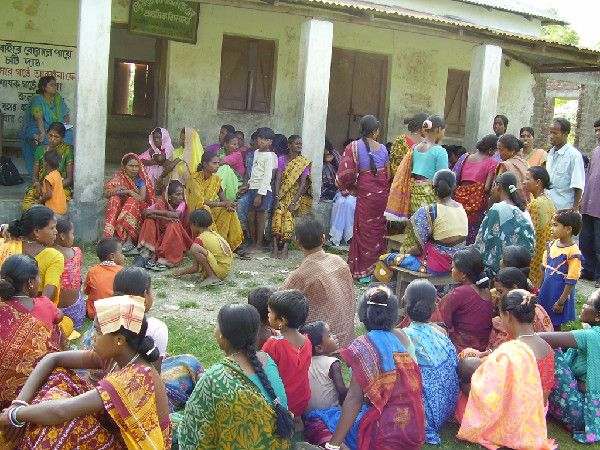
(93,44)
(484,83)
(316,43)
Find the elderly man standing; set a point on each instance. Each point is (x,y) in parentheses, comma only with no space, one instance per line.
(589,239)
(565,166)
(326,281)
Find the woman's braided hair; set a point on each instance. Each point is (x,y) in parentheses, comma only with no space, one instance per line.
(239,324)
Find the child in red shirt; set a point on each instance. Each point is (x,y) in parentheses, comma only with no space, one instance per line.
(292,351)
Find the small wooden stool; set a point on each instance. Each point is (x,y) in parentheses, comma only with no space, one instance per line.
(405,276)
(394,242)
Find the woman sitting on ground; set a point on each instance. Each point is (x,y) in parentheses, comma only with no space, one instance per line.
(204,192)
(58,406)
(231,167)
(506,223)
(293,195)
(436,357)
(165,233)
(56,136)
(29,325)
(186,157)
(575,401)
(438,231)
(507,391)
(129,193)
(239,403)
(385,374)
(467,310)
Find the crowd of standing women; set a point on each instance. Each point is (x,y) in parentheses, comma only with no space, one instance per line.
(488,354)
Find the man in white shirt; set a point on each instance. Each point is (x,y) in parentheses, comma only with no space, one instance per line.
(565,166)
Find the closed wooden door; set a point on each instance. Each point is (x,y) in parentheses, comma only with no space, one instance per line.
(357,87)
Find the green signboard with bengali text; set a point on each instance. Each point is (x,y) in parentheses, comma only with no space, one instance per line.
(176,20)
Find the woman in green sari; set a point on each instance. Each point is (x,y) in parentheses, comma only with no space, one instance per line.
(239,402)
(231,168)
(56,135)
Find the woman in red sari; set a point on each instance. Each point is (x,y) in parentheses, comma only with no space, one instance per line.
(129,192)
(365,168)
(128,409)
(165,233)
(475,175)
(386,374)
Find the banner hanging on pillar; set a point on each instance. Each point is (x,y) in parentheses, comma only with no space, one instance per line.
(176,20)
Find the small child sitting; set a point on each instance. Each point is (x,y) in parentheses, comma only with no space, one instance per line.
(99,281)
(259,298)
(211,254)
(53,193)
(327,387)
(562,266)
(292,351)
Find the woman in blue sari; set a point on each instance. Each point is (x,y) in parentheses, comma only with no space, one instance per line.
(44,108)
(436,357)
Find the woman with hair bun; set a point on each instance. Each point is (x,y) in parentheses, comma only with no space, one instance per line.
(467,310)
(365,169)
(240,402)
(28,330)
(437,230)
(385,373)
(507,222)
(58,406)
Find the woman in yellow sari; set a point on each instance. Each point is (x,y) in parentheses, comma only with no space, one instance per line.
(293,195)
(56,135)
(204,191)
(127,410)
(186,157)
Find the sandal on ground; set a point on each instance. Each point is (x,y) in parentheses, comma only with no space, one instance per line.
(212,283)
(128,247)
(365,280)
(150,265)
(159,268)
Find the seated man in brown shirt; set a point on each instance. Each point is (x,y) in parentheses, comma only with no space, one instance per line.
(326,281)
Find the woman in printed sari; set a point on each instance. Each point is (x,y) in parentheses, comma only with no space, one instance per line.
(29,330)
(365,168)
(55,138)
(541,208)
(231,168)
(412,187)
(59,407)
(438,231)
(165,233)
(475,174)
(506,393)
(129,192)
(506,223)
(186,157)
(44,108)
(534,157)
(240,402)
(158,156)
(436,357)
(293,195)
(204,191)
(385,374)
(575,401)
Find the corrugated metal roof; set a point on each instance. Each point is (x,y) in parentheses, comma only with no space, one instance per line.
(527,8)
(432,19)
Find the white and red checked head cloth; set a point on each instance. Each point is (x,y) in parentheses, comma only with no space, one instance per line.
(125,311)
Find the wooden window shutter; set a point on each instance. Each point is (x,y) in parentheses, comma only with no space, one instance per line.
(263,79)
(143,91)
(233,90)
(455,110)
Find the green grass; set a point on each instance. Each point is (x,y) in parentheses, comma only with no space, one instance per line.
(188,304)
(243,292)
(186,337)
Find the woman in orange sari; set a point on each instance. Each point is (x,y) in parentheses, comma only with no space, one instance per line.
(534,157)
(165,233)
(129,192)
(204,191)
(127,410)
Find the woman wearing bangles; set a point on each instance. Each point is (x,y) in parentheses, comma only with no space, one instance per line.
(58,406)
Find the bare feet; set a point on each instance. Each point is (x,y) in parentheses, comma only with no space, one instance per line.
(254,248)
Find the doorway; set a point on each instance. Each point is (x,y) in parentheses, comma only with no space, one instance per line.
(357,87)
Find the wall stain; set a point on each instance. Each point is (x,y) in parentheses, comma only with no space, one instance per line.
(32,8)
(10,24)
(18,5)
(29,25)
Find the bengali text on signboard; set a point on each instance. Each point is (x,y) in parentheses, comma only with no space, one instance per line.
(176,20)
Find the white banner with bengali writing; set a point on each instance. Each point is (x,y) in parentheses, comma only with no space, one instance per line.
(22,64)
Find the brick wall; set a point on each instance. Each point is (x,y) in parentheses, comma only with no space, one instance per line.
(587,114)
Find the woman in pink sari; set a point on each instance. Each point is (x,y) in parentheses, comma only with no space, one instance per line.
(365,169)
(156,156)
